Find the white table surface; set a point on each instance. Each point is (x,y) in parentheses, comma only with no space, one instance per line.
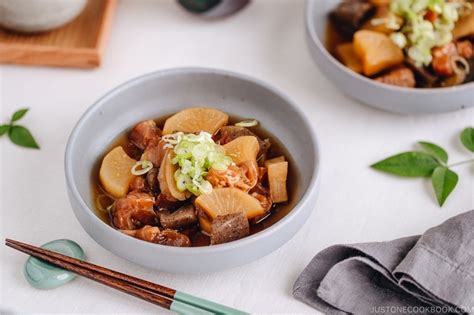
(266,40)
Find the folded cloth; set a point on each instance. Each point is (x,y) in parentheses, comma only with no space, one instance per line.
(431,274)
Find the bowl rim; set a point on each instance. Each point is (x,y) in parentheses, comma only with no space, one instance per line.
(393,88)
(312,187)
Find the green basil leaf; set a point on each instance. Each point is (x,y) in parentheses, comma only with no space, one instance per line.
(22,137)
(467,138)
(435,150)
(409,164)
(4,129)
(19,114)
(444,180)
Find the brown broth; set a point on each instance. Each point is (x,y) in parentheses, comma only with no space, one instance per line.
(334,38)
(198,238)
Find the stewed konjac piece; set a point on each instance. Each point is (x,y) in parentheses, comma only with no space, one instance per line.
(407,43)
(195,174)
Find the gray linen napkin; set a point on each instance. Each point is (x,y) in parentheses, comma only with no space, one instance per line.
(431,274)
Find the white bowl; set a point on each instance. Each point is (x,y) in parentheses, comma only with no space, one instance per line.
(166,92)
(373,93)
(38,15)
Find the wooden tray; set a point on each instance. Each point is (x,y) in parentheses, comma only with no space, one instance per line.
(78,44)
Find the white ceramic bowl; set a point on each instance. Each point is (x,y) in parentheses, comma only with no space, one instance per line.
(38,15)
(373,93)
(166,92)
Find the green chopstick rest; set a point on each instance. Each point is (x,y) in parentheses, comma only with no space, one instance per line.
(42,275)
(181,298)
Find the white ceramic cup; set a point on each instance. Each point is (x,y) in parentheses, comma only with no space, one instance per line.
(38,15)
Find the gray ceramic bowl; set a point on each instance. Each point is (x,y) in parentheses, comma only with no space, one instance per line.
(379,95)
(166,92)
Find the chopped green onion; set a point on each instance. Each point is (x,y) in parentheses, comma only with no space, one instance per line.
(182,180)
(390,22)
(460,65)
(450,12)
(141,167)
(247,123)
(422,35)
(109,208)
(399,39)
(378,21)
(195,155)
(174,138)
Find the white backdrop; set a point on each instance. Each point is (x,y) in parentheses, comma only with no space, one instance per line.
(265,40)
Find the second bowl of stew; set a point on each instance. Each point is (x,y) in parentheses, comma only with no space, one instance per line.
(192,170)
(404,56)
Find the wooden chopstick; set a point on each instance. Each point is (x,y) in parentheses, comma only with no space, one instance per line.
(151,292)
(108,281)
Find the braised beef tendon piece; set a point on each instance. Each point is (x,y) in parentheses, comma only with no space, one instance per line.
(181,218)
(147,233)
(139,184)
(143,133)
(465,49)
(243,176)
(266,203)
(452,62)
(442,60)
(155,152)
(173,238)
(350,15)
(262,193)
(134,211)
(229,227)
(401,76)
(250,170)
(153,234)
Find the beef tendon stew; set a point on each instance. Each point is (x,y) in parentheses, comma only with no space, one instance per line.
(195,179)
(408,43)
